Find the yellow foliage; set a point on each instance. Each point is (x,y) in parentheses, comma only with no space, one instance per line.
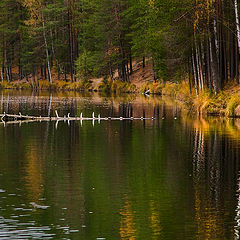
(155,88)
(151,3)
(232,105)
(202,11)
(34,7)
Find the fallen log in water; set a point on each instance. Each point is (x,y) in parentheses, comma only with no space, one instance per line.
(17,118)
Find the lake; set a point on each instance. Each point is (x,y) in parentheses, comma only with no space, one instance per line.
(175,177)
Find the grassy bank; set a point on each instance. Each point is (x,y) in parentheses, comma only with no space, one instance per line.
(104,86)
(45,85)
(226,103)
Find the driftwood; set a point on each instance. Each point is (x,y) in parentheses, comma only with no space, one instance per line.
(19,118)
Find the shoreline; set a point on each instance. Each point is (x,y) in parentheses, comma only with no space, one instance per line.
(226,103)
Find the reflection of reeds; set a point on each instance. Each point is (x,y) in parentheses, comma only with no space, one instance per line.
(223,126)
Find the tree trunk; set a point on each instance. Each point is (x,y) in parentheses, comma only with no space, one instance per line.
(6,62)
(237,63)
(232,51)
(216,37)
(237,24)
(70,47)
(225,60)
(214,64)
(203,63)
(209,67)
(46,47)
(2,74)
(65,75)
(127,71)
(19,69)
(41,72)
(154,71)
(130,64)
(10,72)
(189,76)
(45,72)
(198,66)
(143,62)
(238,39)
(194,73)
(124,75)
(35,79)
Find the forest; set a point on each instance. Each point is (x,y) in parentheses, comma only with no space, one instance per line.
(198,40)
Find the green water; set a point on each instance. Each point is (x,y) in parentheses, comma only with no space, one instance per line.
(172,178)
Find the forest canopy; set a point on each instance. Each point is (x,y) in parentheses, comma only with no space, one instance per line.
(199,39)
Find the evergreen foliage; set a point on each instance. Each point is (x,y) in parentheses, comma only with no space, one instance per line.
(91,38)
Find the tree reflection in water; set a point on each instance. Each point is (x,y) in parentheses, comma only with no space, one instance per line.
(215,166)
(172,178)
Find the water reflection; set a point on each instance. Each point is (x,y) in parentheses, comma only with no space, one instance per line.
(237,218)
(215,164)
(172,178)
(45,104)
(34,171)
(127,227)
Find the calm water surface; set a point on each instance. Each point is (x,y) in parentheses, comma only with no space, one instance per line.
(173,178)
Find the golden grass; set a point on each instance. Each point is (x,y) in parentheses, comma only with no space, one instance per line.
(233,104)
(205,102)
(7,85)
(116,86)
(105,86)
(155,88)
(45,85)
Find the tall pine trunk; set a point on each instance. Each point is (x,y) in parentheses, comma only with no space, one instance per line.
(238,39)
(214,64)
(194,73)
(237,24)
(46,49)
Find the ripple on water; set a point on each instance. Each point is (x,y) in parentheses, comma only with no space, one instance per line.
(23,209)
(11,229)
(38,206)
